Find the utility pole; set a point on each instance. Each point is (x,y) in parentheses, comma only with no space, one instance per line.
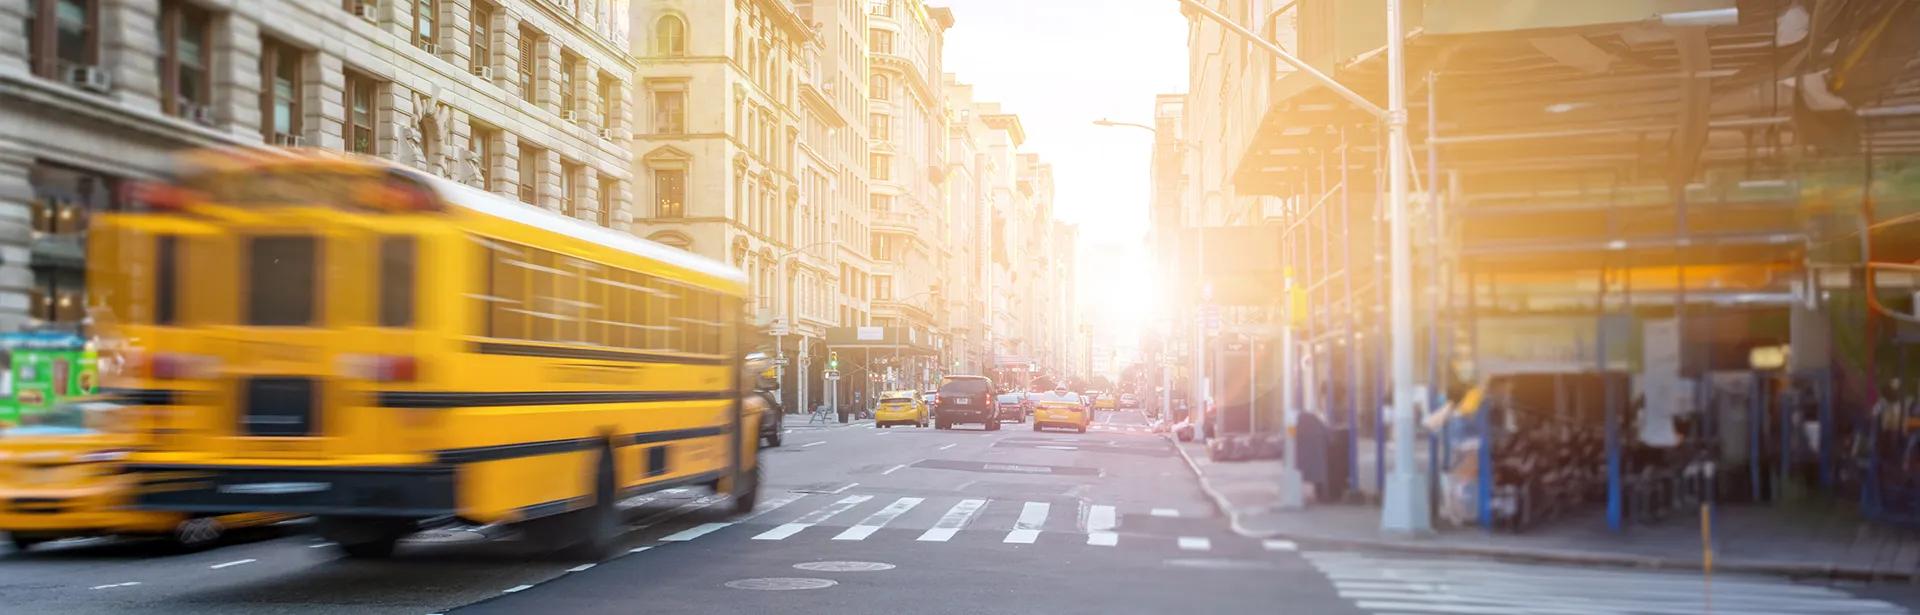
(1406,509)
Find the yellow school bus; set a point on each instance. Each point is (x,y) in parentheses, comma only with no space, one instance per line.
(380,348)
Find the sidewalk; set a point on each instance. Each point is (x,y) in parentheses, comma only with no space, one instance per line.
(1783,540)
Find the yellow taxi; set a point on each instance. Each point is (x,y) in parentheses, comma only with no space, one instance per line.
(900,408)
(1103,401)
(1060,408)
(60,478)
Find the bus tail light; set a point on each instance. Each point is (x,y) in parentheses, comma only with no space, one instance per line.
(178,366)
(381,368)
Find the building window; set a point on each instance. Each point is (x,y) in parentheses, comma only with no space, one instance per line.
(569,189)
(882,286)
(882,167)
(529,68)
(280,96)
(669,112)
(483,138)
(62,35)
(880,202)
(530,159)
(670,36)
(878,88)
(883,8)
(480,39)
(603,103)
(880,41)
(609,188)
(670,193)
(568,99)
(184,60)
(426,15)
(360,90)
(878,125)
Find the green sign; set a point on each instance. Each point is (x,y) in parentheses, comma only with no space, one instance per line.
(40,369)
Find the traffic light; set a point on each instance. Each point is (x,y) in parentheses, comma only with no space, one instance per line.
(833,361)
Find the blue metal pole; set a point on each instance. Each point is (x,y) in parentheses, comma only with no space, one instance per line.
(1354,384)
(1754,420)
(1786,446)
(1486,459)
(1612,427)
(1825,384)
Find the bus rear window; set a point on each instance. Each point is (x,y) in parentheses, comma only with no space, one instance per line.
(397,265)
(166,286)
(282,275)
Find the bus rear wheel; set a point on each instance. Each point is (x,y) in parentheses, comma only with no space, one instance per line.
(590,534)
(365,538)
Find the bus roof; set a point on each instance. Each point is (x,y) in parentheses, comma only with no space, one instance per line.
(481,201)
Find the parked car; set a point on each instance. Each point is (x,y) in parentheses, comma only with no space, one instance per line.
(1127,400)
(966,399)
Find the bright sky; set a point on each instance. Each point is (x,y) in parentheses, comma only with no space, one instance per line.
(1060,65)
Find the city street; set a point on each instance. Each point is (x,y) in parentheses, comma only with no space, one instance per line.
(899,520)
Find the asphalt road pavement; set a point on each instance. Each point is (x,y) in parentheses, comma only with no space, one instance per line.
(899,521)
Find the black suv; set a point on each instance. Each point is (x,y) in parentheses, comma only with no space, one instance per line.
(966,399)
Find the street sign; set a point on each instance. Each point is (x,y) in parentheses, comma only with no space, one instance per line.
(780,361)
(1210,318)
(833,375)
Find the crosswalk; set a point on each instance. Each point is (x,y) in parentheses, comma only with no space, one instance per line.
(1380,583)
(857,517)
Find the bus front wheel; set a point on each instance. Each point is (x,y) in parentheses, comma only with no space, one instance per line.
(363,538)
(746,491)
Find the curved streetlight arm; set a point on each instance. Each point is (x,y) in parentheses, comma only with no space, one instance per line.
(1110,124)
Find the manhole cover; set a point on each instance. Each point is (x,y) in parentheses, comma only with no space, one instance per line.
(844,566)
(1221,564)
(781,584)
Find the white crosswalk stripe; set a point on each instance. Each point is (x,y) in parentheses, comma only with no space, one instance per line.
(1409,584)
(1100,525)
(1195,543)
(813,518)
(951,522)
(878,520)
(1027,528)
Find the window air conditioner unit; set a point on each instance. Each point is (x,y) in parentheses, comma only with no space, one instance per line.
(198,114)
(286,140)
(430,48)
(90,78)
(569,115)
(606,133)
(365,9)
(483,72)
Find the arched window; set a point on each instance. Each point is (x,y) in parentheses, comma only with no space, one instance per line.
(670,36)
(879,88)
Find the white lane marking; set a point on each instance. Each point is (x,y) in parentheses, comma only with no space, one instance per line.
(582,568)
(1058,447)
(843,489)
(951,522)
(517,589)
(1166,512)
(126,584)
(948,446)
(1195,543)
(888,431)
(639,549)
(238,562)
(785,431)
(813,518)
(671,513)
(893,469)
(773,504)
(695,532)
(1279,545)
(674,490)
(1100,523)
(880,519)
(813,444)
(1027,528)
(320,545)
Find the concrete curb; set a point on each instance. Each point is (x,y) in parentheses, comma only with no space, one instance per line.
(1556,556)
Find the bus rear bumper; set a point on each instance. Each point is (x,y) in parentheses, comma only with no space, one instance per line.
(403,491)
